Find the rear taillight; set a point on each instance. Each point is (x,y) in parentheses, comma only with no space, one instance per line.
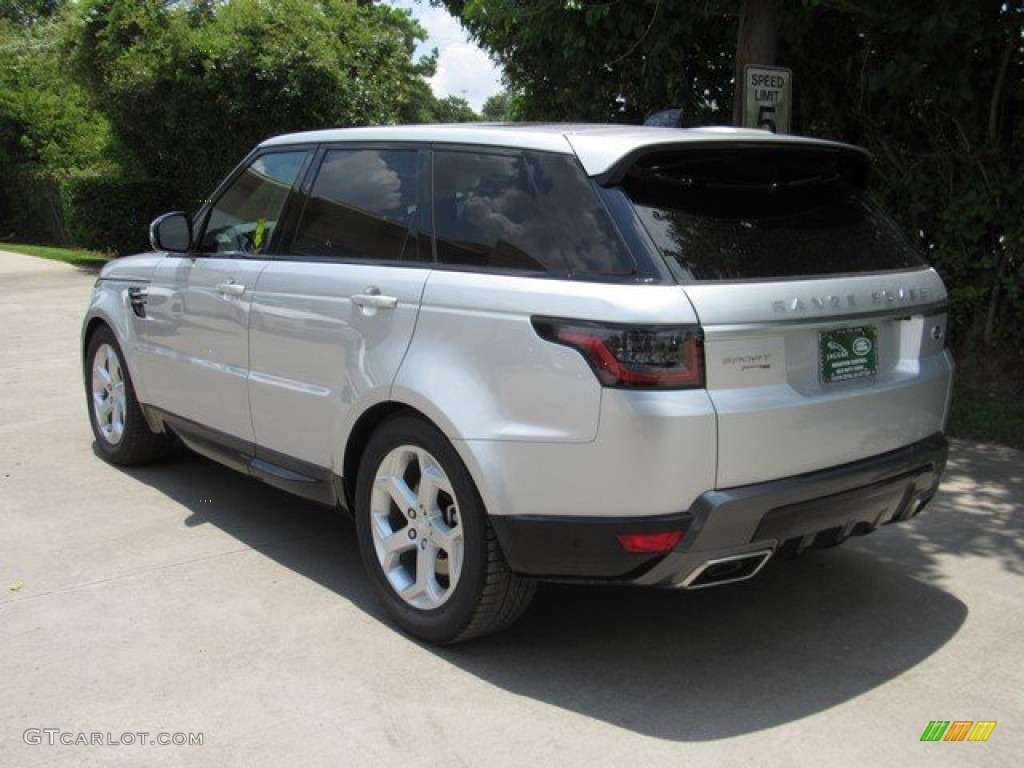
(632,357)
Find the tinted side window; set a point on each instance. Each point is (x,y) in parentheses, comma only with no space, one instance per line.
(361,206)
(530,211)
(244,217)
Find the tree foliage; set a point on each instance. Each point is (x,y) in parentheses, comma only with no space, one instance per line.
(453,109)
(135,92)
(26,12)
(48,128)
(104,99)
(45,122)
(208,80)
(499,108)
(613,60)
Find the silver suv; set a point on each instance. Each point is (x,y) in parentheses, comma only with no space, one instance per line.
(518,353)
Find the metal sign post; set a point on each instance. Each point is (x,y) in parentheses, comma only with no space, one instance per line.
(767,98)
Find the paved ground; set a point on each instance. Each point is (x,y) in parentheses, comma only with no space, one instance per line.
(185,598)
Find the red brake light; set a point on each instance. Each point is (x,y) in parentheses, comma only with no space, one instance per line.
(652,357)
(650,542)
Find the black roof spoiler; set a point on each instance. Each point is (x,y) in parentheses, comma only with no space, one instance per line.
(856,162)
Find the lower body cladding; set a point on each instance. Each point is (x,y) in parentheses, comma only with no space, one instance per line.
(728,535)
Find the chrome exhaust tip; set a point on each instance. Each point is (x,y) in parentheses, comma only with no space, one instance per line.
(726,570)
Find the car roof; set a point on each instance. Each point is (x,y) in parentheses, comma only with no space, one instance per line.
(601,149)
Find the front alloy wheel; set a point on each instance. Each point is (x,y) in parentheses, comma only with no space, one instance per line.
(108,394)
(118,424)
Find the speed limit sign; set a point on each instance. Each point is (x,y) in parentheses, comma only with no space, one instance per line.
(767,98)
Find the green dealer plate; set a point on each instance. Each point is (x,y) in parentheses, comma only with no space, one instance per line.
(848,353)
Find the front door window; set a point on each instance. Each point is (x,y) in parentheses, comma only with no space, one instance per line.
(244,219)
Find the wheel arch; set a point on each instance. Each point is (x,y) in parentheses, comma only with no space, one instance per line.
(373,417)
(359,436)
(101,314)
(488,595)
(94,323)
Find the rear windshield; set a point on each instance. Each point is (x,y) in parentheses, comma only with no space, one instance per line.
(765,213)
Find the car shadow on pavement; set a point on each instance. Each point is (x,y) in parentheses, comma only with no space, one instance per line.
(804,636)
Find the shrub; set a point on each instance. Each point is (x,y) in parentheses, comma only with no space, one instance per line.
(31,208)
(112,214)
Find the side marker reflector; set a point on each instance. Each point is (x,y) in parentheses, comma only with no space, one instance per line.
(650,542)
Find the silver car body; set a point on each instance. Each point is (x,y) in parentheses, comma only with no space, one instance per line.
(298,357)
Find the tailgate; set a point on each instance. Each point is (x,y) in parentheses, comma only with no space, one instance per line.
(824,329)
(806,375)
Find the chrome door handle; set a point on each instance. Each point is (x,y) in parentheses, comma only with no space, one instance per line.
(230,288)
(371,298)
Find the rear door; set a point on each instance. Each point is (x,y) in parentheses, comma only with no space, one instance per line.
(331,320)
(824,330)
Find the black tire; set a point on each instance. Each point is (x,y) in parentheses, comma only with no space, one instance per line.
(486,596)
(135,443)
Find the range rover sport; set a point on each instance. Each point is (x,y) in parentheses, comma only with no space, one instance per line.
(522,353)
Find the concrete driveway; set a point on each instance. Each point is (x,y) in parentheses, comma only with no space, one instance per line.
(184,599)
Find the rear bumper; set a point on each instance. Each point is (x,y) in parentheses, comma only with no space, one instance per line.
(811,510)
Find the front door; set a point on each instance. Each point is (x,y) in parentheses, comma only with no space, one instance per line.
(197,310)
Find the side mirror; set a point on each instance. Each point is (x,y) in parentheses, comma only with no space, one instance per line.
(171,232)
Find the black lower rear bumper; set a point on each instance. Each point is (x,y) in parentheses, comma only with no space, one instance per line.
(814,509)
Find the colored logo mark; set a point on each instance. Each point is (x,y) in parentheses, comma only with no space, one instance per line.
(958,730)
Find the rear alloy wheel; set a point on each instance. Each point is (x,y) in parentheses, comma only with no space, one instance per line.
(425,539)
(121,432)
(417,534)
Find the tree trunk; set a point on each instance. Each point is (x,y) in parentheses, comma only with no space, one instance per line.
(759,28)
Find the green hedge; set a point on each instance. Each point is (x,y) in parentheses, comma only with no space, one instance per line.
(101,212)
(32,208)
(112,214)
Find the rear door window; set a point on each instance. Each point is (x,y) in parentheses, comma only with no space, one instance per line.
(523,211)
(362,205)
(761,214)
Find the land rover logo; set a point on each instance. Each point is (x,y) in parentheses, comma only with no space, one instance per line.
(861,345)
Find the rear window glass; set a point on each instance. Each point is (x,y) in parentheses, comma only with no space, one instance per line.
(526,211)
(765,214)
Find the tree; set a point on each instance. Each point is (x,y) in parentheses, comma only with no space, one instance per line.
(498,108)
(27,12)
(757,37)
(610,60)
(453,109)
(48,128)
(111,110)
(188,80)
